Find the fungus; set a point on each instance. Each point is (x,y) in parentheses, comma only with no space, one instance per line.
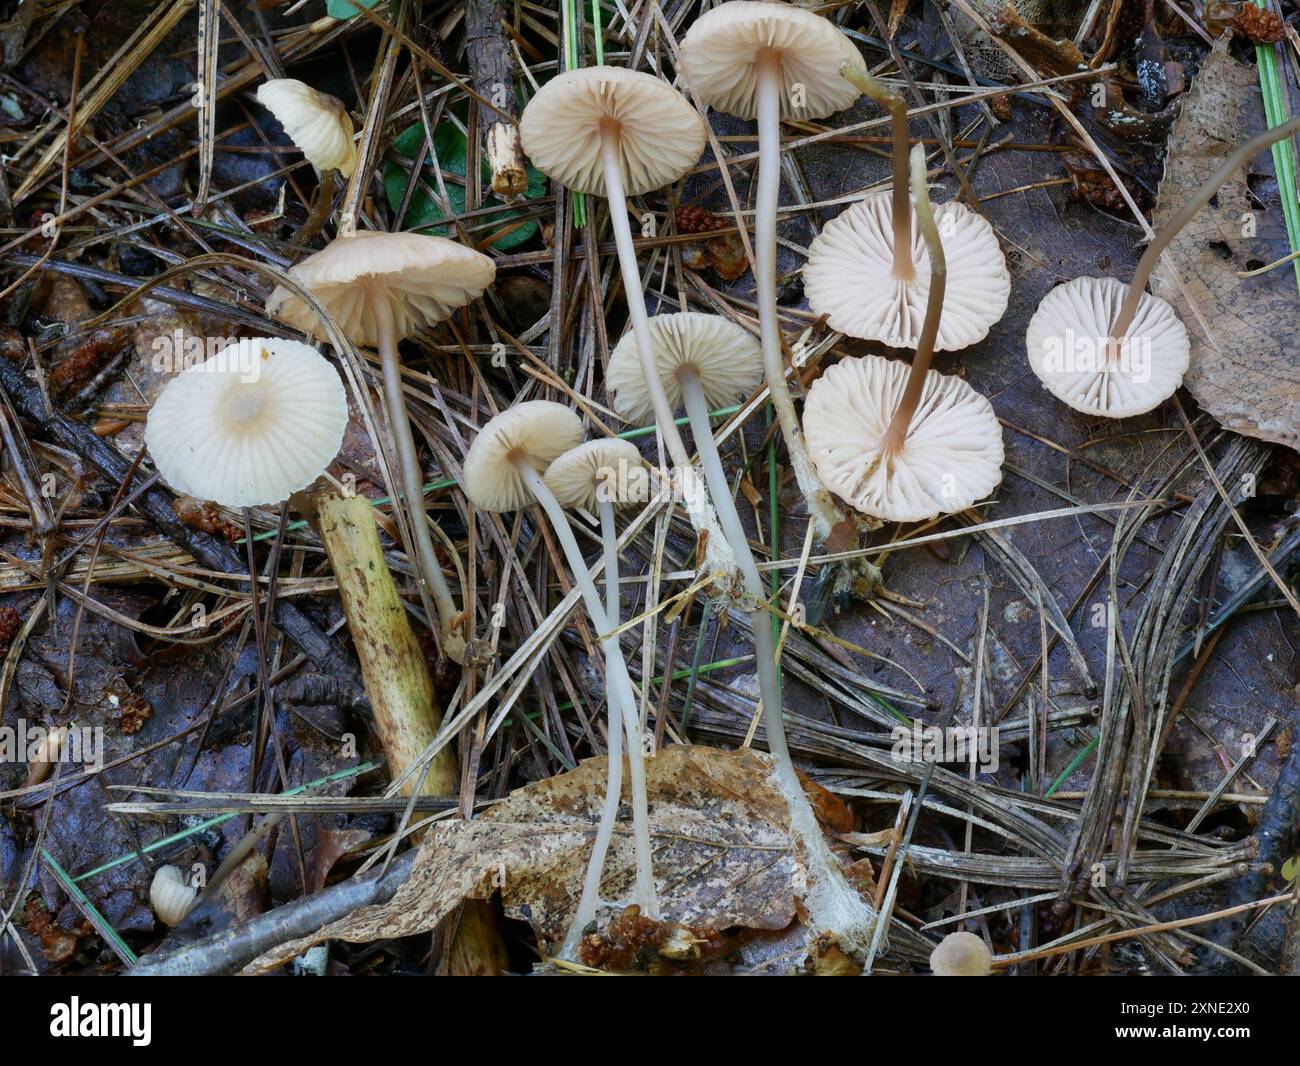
(769,61)
(867,270)
(961,955)
(381,288)
(905,445)
(1114,350)
(321,127)
(703,360)
(503,472)
(614,132)
(170,896)
(255,423)
(594,474)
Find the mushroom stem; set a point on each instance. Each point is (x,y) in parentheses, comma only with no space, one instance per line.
(1188,211)
(587,903)
(896,434)
(428,570)
(832,903)
(321,206)
(632,291)
(617,676)
(904,267)
(820,508)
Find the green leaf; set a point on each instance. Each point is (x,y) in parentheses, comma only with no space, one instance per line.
(346,9)
(424,211)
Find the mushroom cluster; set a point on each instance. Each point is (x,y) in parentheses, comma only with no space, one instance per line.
(511,464)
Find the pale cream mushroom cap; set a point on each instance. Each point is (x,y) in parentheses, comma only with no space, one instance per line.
(849,276)
(951,457)
(728,360)
(536,431)
(1067,347)
(425,279)
(720,59)
(171,897)
(595,466)
(252,425)
(961,955)
(660,135)
(316,122)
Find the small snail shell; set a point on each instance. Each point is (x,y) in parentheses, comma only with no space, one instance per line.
(961,955)
(46,755)
(171,897)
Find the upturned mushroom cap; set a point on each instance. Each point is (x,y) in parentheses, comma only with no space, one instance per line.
(660,135)
(536,431)
(721,49)
(316,122)
(849,276)
(425,279)
(252,425)
(961,955)
(594,469)
(951,457)
(727,359)
(1067,342)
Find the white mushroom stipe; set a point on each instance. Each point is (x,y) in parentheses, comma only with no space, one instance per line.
(255,423)
(1069,349)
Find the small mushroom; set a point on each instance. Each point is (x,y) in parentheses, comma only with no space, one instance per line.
(47,753)
(170,895)
(1114,350)
(905,444)
(595,475)
(961,955)
(772,61)
(503,472)
(380,288)
(616,132)
(321,127)
(702,360)
(868,269)
(258,421)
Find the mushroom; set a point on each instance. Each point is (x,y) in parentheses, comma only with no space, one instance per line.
(961,955)
(1114,350)
(867,270)
(704,360)
(503,472)
(595,475)
(905,445)
(321,127)
(380,288)
(170,896)
(773,61)
(615,132)
(253,424)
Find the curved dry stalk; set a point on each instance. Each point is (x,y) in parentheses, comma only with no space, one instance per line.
(902,419)
(1188,211)
(904,267)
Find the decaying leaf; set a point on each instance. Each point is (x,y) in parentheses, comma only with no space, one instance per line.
(1245,366)
(721,842)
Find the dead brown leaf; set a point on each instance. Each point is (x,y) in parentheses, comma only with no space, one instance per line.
(722,853)
(1245,365)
